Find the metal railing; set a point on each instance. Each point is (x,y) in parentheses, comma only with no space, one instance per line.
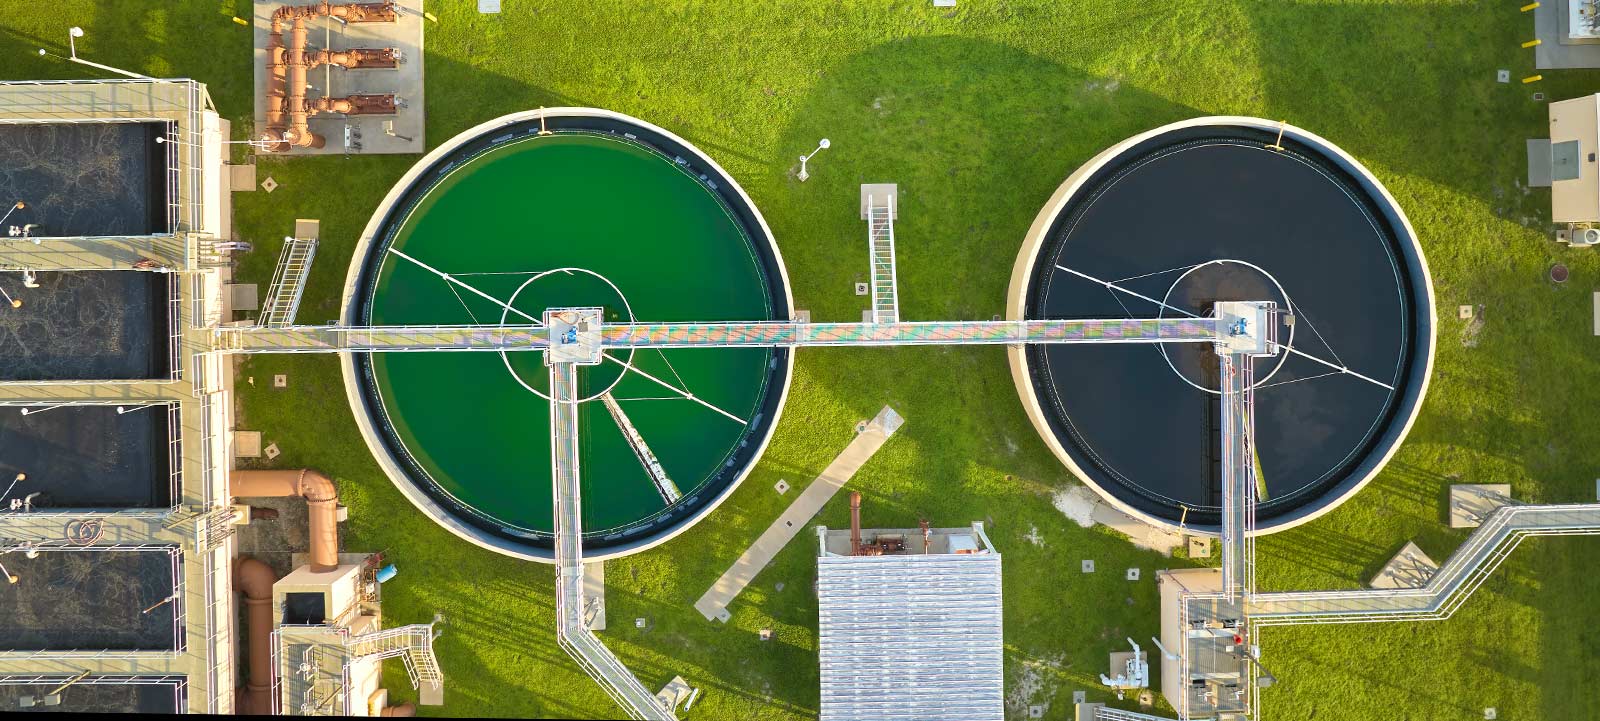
(179,684)
(1450,586)
(413,644)
(180,634)
(174,456)
(1106,713)
(572,633)
(218,608)
(880,251)
(331,339)
(174,178)
(175,326)
(1238,475)
(179,102)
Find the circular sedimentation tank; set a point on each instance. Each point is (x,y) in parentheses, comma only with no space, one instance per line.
(1218,209)
(566,208)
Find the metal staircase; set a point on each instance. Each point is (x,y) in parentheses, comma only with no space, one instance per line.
(880,244)
(288,282)
(413,644)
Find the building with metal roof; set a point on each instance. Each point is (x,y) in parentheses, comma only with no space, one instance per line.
(910,625)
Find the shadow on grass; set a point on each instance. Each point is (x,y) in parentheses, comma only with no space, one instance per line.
(1368,78)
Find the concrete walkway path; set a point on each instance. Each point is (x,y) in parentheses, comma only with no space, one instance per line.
(714,604)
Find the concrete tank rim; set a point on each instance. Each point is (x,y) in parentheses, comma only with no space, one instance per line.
(349,312)
(1420,374)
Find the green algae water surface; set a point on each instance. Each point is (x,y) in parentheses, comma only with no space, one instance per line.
(571,219)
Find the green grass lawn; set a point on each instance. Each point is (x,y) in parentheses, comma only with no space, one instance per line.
(978,113)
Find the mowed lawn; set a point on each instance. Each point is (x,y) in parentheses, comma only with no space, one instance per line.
(978,113)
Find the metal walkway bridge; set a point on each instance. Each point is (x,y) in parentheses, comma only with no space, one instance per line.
(572,631)
(1449,587)
(378,339)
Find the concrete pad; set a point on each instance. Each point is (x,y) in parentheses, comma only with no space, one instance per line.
(880,191)
(1550,26)
(1597,313)
(242,178)
(1471,503)
(247,444)
(430,696)
(1410,568)
(1141,534)
(368,134)
(1086,711)
(594,593)
(675,692)
(1199,547)
(1539,170)
(308,228)
(244,296)
(714,603)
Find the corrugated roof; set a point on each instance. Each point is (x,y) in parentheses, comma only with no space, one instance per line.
(910,637)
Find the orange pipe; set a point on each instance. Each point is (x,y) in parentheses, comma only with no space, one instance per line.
(286,80)
(855,523)
(255,579)
(405,710)
(322,505)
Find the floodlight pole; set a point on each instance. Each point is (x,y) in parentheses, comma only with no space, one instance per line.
(19,205)
(75,32)
(821,146)
(257,143)
(20,477)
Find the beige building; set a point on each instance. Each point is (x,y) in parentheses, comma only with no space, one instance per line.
(1574,174)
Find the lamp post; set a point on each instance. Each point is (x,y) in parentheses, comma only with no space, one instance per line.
(19,205)
(75,32)
(820,147)
(257,143)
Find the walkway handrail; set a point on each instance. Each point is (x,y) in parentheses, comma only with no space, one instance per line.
(1450,586)
(768,334)
(572,631)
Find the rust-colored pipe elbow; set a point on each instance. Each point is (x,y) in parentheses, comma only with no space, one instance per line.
(322,506)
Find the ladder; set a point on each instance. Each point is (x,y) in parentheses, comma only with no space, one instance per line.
(288,282)
(413,644)
(880,241)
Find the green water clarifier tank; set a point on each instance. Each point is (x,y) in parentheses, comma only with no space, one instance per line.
(654,239)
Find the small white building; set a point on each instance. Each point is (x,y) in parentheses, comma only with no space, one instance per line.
(1573,171)
(912,631)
